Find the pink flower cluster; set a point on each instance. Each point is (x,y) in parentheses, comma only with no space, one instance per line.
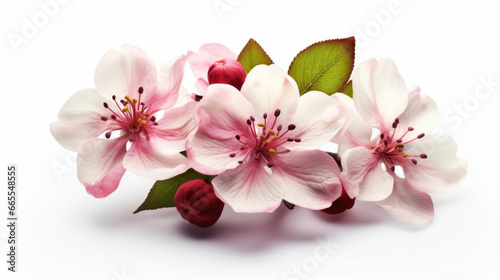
(257,137)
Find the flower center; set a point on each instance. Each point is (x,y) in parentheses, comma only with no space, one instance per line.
(391,149)
(264,140)
(131,115)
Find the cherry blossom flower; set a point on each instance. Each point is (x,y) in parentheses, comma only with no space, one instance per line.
(263,143)
(201,61)
(122,111)
(389,130)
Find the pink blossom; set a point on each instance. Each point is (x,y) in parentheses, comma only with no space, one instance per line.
(201,61)
(122,109)
(263,143)
(401,119)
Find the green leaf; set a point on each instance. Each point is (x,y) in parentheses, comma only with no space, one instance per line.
(163,192)
(347,90)
(324,66)
(252,55)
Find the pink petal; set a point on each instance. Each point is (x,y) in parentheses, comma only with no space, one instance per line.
(80,119)
(201,86)
(358,133)
(249,188)
(269,88)
(310,179)
(122,72)
(174,127)
(318,119)
(106,185)
(380,94)
(441,170)
(148,159)
(205,57)
(407,204)
(100,157)
(363,171)
(222,115)
(169,82)
(421,114)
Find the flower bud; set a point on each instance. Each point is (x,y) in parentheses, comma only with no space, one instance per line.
(196,202)
(341,204)
(227,71)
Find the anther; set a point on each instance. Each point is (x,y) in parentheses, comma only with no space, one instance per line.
(277,113)
(108,134)
(394,124)
(153,119)
(279,127)
(140,90)
(410,128)
(105,105)
(265,116)
(270,165)
(397,120)
(405,155)
(382,136)
(272,151)
(113,117)
(297,140)
(421,135)
(386,143)
(393,168)
(271,132)
(260,124)
(232,155)
(104,119)
(252,118)
(423,156)
(414,161)
(291,127)
(240,162)
(289,139)
(237,137)
(249,122)
(399,140)
(114,97)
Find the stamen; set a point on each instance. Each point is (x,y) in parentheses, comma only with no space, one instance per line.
(270,165)
(140,90)
(382,136)
(108,134)
(240,162)
(394,124)
(260,124)
(410,128)
(393,168)
(153,119)
(297,140)
(279,127)
(271,132)
(272,151)
(414,161)
(105,105)
(237,137)
(291,127)
(423,156)
(113,117)
(104,119)
(232,155)
(405,155)
(421,135)
(289,139)
(265,116)
(277,113)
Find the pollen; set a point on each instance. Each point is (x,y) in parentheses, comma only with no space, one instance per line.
(405,155)
(125,109)
(260,124)
(271,132)
(272,151)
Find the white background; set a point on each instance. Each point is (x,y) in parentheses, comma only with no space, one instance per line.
(63,233)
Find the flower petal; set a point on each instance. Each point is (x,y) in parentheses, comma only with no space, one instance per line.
(269,88)
(365,175)
(379,93)
(80,119)
(318,119)
(357,133)
(100,157)
(421,114)
(249,188)
(169,82)
(223,114)
(441,170)
(106,185)
(122,72)
(310,179)
(146,159)
(174,127)
(407,204)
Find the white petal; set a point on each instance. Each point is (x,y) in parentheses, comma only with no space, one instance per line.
(249,188)
(122,72)
(80,119)
(407,204)
(97,158)
(269,88)
(363,170)
(169,82)
(310,178)
(421,114)
(379,92)
(441,170)
(223,114)
(318,119)
(148,160)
